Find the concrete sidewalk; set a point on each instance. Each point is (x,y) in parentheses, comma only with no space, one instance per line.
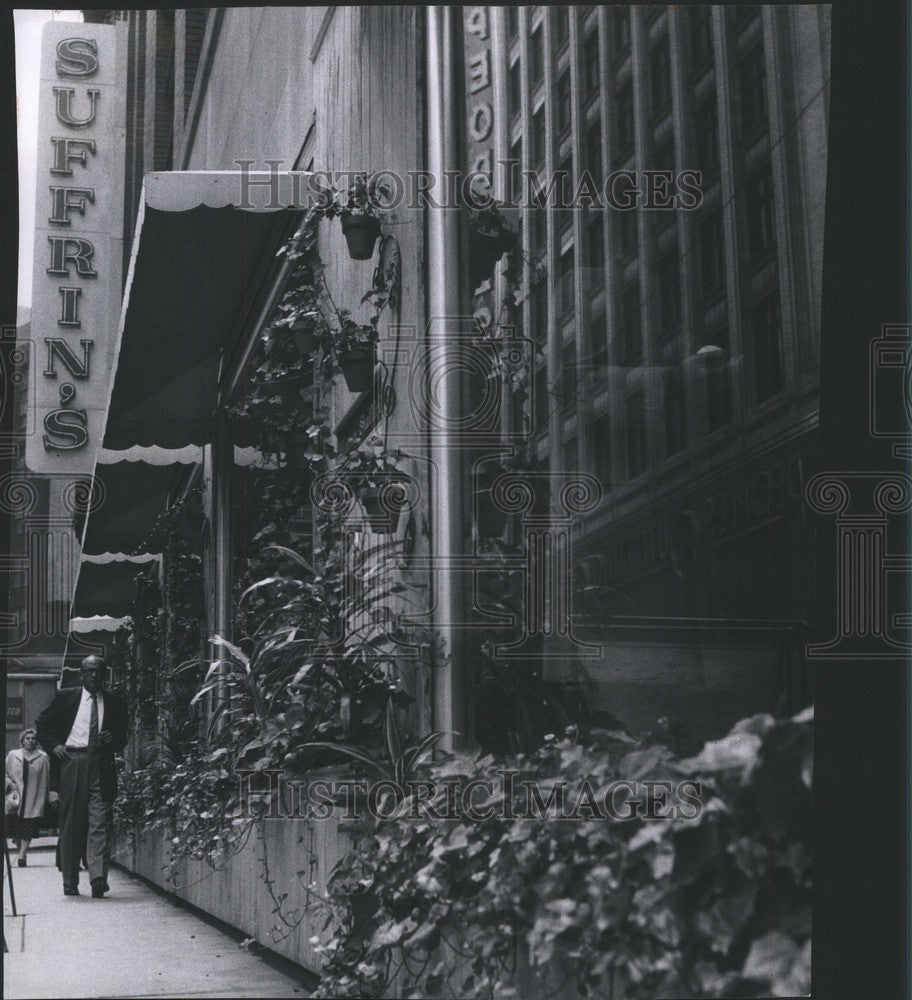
(132,943)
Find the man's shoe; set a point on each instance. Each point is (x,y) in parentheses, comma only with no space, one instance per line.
(21,862)
(67,891)
(99,887)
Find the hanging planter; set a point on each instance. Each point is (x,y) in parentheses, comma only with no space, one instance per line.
(384,520)
(489,239)
(361,233)
(490,520)
(357,364)
(298,451)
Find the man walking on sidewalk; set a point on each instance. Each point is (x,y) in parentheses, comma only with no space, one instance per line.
(82,729)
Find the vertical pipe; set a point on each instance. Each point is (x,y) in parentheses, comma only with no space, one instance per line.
(444,303)
(222,456)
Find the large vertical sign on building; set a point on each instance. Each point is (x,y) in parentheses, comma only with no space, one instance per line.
(76,285)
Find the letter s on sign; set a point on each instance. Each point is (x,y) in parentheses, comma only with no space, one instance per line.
(77,57)
(73,431)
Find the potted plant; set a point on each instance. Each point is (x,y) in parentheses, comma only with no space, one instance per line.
(490,519)
(355,349)
(382,489)
(490,237)
(360,224)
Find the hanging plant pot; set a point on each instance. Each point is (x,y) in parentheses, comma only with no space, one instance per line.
(382,519)
(490,519)
(361,232)
(296,451)
(357,366)
(304,338)
(485,252)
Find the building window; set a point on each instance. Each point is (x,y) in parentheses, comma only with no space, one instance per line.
(630,311)
(718,381)
(539,314)
(624,121)
(628,234)
(512,20)
(620,24)
(538,137)
(600,448)
(766,337)
(707,127)
(568,374)
(669,279)
(712,255)
(752,90)
(591,69)
(539,227)
(514,95)
(701,39)
(563,102)
(561,26)
(636,434)
(758,199)
(674,413)
(592,153)
(542,399)
(563,217)
(660,78)
(595,250)
(566,268)
(537,57)
(516,164)
(743,13)
(598,342)
(664,156)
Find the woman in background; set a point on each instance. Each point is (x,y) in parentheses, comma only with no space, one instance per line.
(30,771)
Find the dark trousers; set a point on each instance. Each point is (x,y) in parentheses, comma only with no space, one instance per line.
(86,819)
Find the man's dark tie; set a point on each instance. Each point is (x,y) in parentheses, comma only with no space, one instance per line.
(93,724)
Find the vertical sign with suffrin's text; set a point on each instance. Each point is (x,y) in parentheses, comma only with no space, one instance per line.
(76,283)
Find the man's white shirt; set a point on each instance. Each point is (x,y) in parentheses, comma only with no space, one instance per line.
(79,734)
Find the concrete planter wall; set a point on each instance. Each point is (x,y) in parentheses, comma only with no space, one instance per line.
(237,893)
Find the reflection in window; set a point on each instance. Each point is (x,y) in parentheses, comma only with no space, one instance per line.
(636,434)
(766,347)
(633,341)
(620,22)
(758,199)
(707,136)
(675,426)
(624,121)
(752,89)
(568,374)
(600,450)
(669,281)
(563,102)
(593,153)
(660,78)
(701,42)
(591,70)
(566,267)
(712,255)
(514,90)
(537,57)
(538,137)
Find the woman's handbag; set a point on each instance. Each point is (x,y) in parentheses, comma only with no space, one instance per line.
(12,801)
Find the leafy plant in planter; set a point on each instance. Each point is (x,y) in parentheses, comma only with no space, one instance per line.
(490,237)
(372,472)
(355,348)
(707,902)
(360,224)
